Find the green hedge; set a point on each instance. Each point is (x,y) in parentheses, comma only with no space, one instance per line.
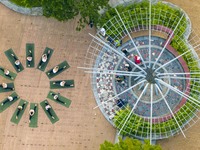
(138,126)
(129,144)
(27,3)
(139,10)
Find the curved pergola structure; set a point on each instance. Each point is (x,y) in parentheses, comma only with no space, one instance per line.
(157,96)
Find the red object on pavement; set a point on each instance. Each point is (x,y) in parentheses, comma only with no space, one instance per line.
(137,59)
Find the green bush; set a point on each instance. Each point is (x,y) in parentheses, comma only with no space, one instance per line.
(138,126)
(64,10)
(27,3)
(137,12)
(129,144)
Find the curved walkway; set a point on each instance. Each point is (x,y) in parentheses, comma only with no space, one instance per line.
(36,11)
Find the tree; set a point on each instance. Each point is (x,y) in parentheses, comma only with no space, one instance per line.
(59,9)
(64,10)
(129,144)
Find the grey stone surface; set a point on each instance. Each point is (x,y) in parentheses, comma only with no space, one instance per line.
(36,11)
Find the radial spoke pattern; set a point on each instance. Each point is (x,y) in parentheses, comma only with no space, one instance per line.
(12,98)
(145,71)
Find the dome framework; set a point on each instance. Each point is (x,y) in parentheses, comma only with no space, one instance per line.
(158,97)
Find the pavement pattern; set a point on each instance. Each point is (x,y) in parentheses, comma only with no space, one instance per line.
(80,127)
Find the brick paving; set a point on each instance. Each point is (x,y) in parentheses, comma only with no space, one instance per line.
(80,127)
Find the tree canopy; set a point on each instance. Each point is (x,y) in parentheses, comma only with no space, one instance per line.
(129,144)
(64,10)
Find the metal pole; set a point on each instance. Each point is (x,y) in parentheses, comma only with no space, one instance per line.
(149,32)
(119,94)
(171,111)
(130,38)
(111,48)
(151,114)
(133,108)
(168,40)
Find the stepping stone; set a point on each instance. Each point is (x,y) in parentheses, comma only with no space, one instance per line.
(42,65)
(8,103)
(60,99)
(34,119)
(44,104)
(62,67)
(56,84)
(13,58)
(10,76)
(8,89)
(30,52)
(19,112)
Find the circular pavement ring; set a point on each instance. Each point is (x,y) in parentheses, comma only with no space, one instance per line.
(32,84)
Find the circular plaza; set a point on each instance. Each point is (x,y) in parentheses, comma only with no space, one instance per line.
(145,71)
(135,80)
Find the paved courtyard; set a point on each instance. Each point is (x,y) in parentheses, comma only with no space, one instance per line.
(80,127)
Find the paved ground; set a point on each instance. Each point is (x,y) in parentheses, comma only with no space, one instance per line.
(79,128)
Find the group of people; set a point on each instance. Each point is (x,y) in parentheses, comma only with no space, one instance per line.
(109,39)
(117,43)
(30,58)
(31,111)
(137,59)
(127,66)
(48,108)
